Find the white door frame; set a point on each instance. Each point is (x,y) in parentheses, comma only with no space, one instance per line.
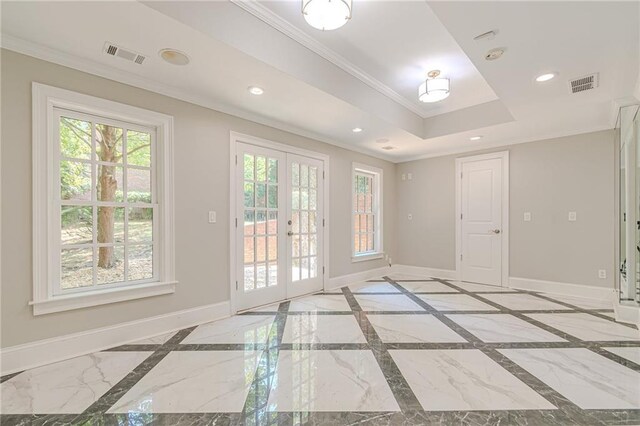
(504,156)
(236,138)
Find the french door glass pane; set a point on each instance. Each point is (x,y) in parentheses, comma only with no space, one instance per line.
(304,226)
(260,175)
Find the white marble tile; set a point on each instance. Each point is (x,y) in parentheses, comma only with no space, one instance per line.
(582,302)
(369,287)
(427,287)
(503,328)
(155,340)
(464,379)
(476,288)
(403,277)
(266,308)
(609,314)
(630,353)
(237,329)
(587,379)
(67,387)
(320,303)
(346,380)
(313,328)
(523,302)
(396,302)
(588,327)
(455,302)
(412,329)
(193,382)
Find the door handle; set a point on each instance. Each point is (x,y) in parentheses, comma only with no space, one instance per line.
(290,233)
(495,231)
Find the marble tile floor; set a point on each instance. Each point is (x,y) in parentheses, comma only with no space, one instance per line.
(397,350)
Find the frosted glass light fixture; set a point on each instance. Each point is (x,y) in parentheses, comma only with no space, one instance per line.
(434,89)
(326,15)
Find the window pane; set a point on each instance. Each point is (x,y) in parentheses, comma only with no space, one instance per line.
(313,267)
(313,177)
(295,174)
(76,224)
(363,242)
(295,246)
(273,170)
(261,169)
(261,222)
(109,183)
(295,199)
(248,195)
(110,225)
(313,199)
(370,241)
(273,274)
(115,272)
(75,138)
(304,268)
(261,272)
(304,175)
(304,198)
(140,224)
(304,244)
(295,222)
(313,226)
(75,181)
(273,223)
(261,195)
(273,248)
(248,167)
(138,186)
(139,148)
(313,245)
(304,222)
(140,262)
(273,197)
(295,270)
(261,249)
(249,252)
(356,224)
(109,143)
(249,277)
(249,219)
(77,268)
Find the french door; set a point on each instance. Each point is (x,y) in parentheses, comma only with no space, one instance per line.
(279,236)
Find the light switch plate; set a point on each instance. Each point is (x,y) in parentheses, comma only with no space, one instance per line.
(602,273)
(573,216)
(527,216)
(409,176)
(404,177)
(212,217)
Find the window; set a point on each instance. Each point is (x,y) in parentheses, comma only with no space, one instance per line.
(102,201)
(367,212)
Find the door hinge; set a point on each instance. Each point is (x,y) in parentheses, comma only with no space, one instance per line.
(460,216)
(323,174)
(460,175)
(236,222)
(236,160)
(461,258)
(323,223)
(323,270)
(236,285)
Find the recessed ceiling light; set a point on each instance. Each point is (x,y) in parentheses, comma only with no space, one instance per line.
(545,77)
(255,90)
(475,138)
(356,130)
(174,57)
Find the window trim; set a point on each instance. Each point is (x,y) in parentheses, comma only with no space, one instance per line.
(46,99)
(377,208)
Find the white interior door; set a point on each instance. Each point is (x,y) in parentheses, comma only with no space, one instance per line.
(305,225)
(279,234)
(481,221)
(260,241)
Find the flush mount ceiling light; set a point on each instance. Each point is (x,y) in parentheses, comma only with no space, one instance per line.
(545,77)
(494,54)
(475,138)
(174,57)
(326,15)
(356,130)
(434,89)
(255,90)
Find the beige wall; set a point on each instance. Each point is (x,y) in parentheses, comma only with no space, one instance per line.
(201,184)
(547,178)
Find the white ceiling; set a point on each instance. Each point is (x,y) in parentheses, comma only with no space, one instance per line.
(365,74)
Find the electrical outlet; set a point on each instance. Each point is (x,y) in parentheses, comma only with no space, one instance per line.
(409,216)
(573,216)
(212,217)
(527,216)
(602,273)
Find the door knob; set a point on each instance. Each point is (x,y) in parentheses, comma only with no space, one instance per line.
(495,231)
(290,233)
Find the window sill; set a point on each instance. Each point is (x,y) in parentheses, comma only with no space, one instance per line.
(101,297)
(365,257)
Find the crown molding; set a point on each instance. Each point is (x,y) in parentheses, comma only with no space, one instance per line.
(275,21)
(58,57)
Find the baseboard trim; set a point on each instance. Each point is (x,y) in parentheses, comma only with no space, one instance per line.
(35,354)
(343,280)
(445,274)
(566,289)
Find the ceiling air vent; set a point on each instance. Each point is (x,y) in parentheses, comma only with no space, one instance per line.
(585,83)
(113,50)
(388,147)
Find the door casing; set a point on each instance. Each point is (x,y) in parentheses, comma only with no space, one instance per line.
(236,138)
(504,156)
